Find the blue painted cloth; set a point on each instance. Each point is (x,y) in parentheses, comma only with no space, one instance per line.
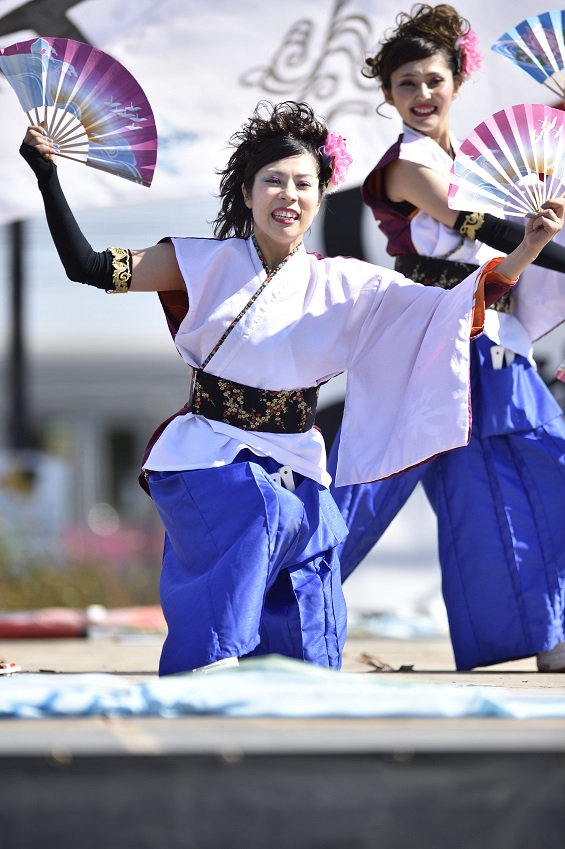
(249,568)
(269,686)
(500,505)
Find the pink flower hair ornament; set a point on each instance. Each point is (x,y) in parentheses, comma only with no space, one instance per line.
(471,56)
(335,161)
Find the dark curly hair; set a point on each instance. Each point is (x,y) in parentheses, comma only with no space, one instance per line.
(424,32)
(275,131)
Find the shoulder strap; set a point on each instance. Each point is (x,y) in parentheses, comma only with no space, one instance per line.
(238,318)
(270,274)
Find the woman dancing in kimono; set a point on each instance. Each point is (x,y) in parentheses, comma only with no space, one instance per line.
(238,475)
(500,500)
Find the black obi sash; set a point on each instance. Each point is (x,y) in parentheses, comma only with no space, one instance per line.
(445,273)
(249,408)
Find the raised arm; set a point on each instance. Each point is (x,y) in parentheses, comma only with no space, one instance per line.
(427,190)
(152,269)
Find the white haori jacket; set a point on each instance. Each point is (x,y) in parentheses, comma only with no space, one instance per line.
(432,238)
(429,236)
(405,348)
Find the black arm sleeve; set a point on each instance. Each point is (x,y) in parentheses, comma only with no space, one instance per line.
(80,261)
(504,236)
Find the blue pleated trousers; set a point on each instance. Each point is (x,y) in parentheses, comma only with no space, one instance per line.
(500,507)
(249,568)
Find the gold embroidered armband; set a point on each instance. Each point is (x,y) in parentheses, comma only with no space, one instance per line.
(472,223)
(121,263)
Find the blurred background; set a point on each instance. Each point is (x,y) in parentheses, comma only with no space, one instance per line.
(86,379)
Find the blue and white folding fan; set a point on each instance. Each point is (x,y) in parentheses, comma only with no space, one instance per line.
(537,45)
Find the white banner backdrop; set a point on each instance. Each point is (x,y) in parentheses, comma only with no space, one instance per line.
(204,66)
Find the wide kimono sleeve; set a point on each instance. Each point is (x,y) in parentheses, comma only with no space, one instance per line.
(408,393)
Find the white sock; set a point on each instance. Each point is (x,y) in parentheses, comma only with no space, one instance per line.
(218,664)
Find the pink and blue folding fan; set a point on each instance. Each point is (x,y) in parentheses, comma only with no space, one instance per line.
(511,163)
(90,105)
(537,45)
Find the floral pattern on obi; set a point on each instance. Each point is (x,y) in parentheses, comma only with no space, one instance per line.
(249,408)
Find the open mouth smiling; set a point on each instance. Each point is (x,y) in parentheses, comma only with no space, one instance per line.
(285,215)
(423,111)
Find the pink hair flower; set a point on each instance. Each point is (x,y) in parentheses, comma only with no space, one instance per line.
(335,159)
(471,56)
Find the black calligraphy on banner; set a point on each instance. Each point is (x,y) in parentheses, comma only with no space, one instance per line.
(43,16)
(314,61)
(315,58)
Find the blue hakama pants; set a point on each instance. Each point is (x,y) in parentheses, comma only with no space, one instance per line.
(500,506)
(249,568)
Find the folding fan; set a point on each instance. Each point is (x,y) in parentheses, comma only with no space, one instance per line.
(537,45)
(89,104)
(511,163)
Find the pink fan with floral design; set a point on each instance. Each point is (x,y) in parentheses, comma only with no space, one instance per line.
(511,163)
(89,104)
